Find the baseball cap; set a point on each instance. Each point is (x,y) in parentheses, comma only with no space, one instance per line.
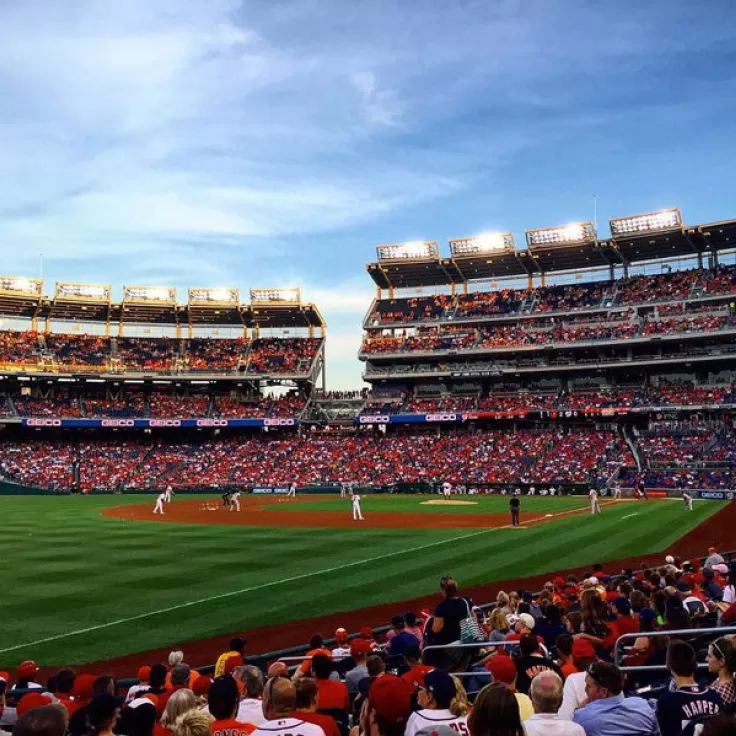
(27,669)
(670,560)
(622,604)
(102,708)
(144,673)
(502,667)
(441,685)
(366,632)
(390,697)
(721,569)
(683,587)
(4,677)
(201,685)
(31,701)
(359,647)
(647,614)
(582,649)
(527,619)
(341,636)
(84,686)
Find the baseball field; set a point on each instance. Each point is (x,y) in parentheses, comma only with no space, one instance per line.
(100,578)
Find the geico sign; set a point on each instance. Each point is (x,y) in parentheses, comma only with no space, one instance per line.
(374,419)
(278,422)
(43,422)
(118,423)
(164,423)
(212,422)
(441,417)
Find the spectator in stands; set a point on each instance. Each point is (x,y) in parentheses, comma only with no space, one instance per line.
(8,715)
(563,645)
(180,676)
(608,712)
(103,714)
(194,723)
(499,624)
(448,614)
(333,695)
(139,719)
(722,662)
(495,713)
(411,625)
(342,649)
(402,639)
(574,693)
(531,662)
(503,670)
(201,689)
(48,720)
(63,687)
(387,708)
(359,651)
(237,647)
(307,704)
(143,685)
(546,695)
(625,622)
(26,674)
(438,705)
(279,702)
(250,709)
(222,701)
(180,702)
(397,626)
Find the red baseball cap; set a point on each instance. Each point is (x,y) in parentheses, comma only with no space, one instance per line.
(84,686)
(32,700)
(359,647)
(144,673)
(502,668)
(341,636)
(4,677)
(390,697)
(201,685)
(27,669)
(582,649)
(366,632)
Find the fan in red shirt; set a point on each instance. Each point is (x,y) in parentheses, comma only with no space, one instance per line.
(316,646)
(222,701)
(625,622)
(333,695)
(307,703)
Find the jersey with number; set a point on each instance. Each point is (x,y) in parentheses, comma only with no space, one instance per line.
(428,720)
(288,727)
(680,710)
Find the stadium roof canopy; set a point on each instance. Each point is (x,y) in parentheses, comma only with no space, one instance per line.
(574,247)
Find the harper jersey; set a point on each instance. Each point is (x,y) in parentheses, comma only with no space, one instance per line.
(680,710)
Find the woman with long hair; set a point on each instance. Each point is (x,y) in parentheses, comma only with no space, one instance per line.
(495,713)
(499,624)
(722,661)
(180,702)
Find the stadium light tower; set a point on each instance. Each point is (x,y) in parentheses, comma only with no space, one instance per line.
(493,242)
(575,232)
(412,251)
(653,222)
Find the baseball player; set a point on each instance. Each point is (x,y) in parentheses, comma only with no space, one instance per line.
(159,507)
(446,489)
(688,500)
(226,499)
(235,501)
(343,490)
(292,490)
(595,505)
(357,516)
(617,490)
(169,493)
(515,509)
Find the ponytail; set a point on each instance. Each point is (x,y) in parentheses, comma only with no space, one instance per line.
(458,708)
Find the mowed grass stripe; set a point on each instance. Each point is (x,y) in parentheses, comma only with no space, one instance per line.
(170,567)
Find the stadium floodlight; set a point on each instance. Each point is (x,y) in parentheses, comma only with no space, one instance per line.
(414,251)
(83,292)
(575,232)
(653,222)
(221,295)
(289,295)
(17,286)
(161,294)
(482,244)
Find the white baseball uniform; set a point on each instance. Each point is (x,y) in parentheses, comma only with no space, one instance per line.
(617,491)
(168,493)
(688,499)
(159,507)
(292,490)
(357,516)
(288,727)
(235,501)
(595,507)
(446,489)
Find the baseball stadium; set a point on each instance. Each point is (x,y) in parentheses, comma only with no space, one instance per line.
(178,475)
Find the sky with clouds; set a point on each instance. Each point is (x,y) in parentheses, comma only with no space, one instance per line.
(276,142)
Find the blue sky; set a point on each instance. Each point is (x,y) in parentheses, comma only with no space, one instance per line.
(276,143)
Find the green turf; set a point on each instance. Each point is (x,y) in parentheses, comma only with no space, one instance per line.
(68,568)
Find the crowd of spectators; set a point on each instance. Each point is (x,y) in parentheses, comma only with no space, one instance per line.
(219,355)
(79,350)
(544,663)
(570,297)
(673,286)
(59,406)
(413,309)
(688,324)
(145,353)
(178,407)
(485,303)
(282,355)
(18,348)
(133,405)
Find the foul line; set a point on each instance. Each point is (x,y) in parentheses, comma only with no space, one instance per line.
(263,586)
(628,516)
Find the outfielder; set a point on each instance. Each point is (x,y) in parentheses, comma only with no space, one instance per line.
(235,501)
(688,500)
(169,493)
(159,507)
(357,516)
(595,506)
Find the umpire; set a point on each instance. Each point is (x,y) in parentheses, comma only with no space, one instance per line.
(515,508)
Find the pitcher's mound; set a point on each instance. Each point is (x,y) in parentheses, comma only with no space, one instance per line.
(442,502)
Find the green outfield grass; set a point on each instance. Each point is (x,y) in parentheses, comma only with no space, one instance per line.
(97,587)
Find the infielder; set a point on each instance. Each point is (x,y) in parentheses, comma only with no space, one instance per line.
(235,501)
(357,516)
(688,500)
(159,507)
(595,506)
(292,491)
(343,490)
(169,493)
(447,489)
